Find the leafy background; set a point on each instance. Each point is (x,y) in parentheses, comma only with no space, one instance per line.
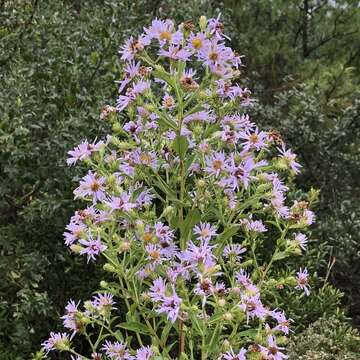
(58,63)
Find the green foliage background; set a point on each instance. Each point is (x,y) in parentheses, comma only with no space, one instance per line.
(58,64)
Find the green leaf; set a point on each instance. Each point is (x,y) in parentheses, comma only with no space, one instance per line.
(224,236)
(251,333)
(193,217)
(135,327)
(214,338)
(280,255)
(181,145)
(165,332)
(165,121)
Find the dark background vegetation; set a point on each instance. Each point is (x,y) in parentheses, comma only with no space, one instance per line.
(58,64)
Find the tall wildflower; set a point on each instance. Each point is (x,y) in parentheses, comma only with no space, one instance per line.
(188,208)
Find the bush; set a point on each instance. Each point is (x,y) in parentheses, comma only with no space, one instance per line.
(329,338)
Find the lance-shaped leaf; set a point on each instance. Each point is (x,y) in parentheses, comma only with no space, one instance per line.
(181,145)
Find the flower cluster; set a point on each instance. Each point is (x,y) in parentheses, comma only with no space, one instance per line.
(189,207)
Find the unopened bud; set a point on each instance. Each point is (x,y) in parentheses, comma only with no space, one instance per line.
(104,284)
(110,268)
(202,23)
(226,345)
(169,210)
(200,183)
(228,316)
(124,246)
(76,248)
(221,302)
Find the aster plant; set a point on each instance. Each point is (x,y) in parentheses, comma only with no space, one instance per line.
(188,208)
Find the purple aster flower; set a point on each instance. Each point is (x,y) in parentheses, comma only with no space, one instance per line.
(103,302)
(197,42)
(234,251)
(91,185)
(69,319)
(215,163)
(176,270)
(56,341)
(219,289)
(230,355)
(93,247)
(168,102)
(196,256)
(163,30)
(223,88)
(131,70)
(256,226)
(133,128)
(200,116)
(83,151)
(75,231)
(123,101)
(301,240)
(80,152)
(238,122)
(154,254)
(239,173)
(302,279)
(228,135)
(163,232)
(116,350)
(272,351)
(157,290)
(144,158)
(254,140)
(308,217)
(205,231)
(252,306)
(170,306)
(243,278)
(282,322)
(216,27)
(144,353)
(140,87)
(277,203)
(144,198)
(132,47)
(175,53)
(203,287)
(289,158)
(121,202)
(214,54)
(187,80)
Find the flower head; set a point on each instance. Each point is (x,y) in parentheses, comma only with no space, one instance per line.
(302,279)
(93,247)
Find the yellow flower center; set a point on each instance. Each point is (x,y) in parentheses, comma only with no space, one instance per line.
(95,186)
(155,255)
(165,35)
(213,56)
(217,164)
(253,138)
(145,158)
(147,237)
(196,43)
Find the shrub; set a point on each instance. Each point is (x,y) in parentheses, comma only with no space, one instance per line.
(330,338)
